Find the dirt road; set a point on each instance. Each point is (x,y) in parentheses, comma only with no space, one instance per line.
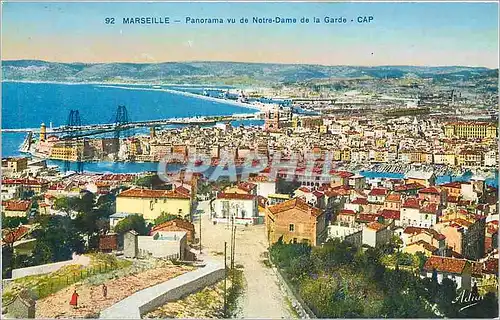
(263,297)
(91,300)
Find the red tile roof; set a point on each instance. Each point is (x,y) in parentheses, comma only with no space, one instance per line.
(148,193)
(378,192)
(360,201)
(318,194)
(16,205)
(390,214)
(367,217)
(456,185)
(461,222)
(262,201)
(425,245)
(239,196)
(376,226)
(183,190)
(430,190)
(445,264)
(15,235)
(491,266)
(411,203)
(409,186)
(295,203)
(393,197)
(181,223)
(29,182)
(259,179)
(416,230)
(247,186)
(431,208)
(347,212)
(342,174)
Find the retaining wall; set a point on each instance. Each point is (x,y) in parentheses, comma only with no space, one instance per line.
(144,301)
(298,304)
(48,268)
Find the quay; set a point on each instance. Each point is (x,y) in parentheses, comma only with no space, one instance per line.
(106,127)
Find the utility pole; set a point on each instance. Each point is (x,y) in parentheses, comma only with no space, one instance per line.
(233,232)
(225,278)
(199,217)
(234,248)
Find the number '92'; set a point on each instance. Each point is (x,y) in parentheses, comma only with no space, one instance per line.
(109,20)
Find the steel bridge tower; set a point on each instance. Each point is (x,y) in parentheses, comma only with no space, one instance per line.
(74,121)
(121,118)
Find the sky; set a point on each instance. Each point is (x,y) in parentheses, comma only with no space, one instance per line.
(431,34)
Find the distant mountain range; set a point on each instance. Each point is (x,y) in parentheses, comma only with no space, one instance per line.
(220,72)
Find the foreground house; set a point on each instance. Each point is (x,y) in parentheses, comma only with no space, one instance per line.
(152,203)
(175,225)
(458,270)
(243,208)
(163,244)
(295,221)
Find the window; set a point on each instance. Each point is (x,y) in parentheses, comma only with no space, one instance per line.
(291,227)
(294,240)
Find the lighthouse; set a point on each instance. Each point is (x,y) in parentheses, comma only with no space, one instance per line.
(43,132)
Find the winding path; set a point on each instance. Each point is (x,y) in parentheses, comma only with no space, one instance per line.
(263,297)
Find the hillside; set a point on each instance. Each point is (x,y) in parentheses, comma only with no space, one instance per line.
(219,72)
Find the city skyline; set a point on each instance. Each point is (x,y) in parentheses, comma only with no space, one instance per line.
(401,34)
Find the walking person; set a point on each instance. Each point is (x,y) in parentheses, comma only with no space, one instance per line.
(104,291)
(74,300)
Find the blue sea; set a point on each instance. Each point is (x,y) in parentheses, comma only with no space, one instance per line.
(27,105)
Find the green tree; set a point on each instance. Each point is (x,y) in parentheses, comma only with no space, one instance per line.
(66,204)
(35,209)
(92,224)
(27,195)
(286,187)
(133,222)
(7,260)
(42,253)
(13,222)
(422,259)
(146,181)
(165,217)
(57,237)
(446,293)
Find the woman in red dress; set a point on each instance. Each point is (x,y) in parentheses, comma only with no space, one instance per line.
(74,300)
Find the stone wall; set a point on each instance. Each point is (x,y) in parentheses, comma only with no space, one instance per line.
(144,301)
(303,311)
(48,268)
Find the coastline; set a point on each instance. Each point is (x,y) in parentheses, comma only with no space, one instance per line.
(123,83)
(119,85)
(192,95)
